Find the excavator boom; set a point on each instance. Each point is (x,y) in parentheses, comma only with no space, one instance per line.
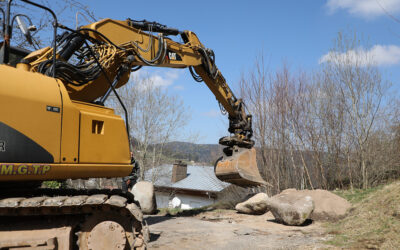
(54,126)
(119,47)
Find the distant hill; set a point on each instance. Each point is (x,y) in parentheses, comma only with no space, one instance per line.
(186,151)
(201,153)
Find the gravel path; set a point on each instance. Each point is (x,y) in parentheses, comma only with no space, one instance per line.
(225,229)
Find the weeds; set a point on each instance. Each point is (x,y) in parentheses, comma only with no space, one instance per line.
(189,212)
(357,195)
(372,223)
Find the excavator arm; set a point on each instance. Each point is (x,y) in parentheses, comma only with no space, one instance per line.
(94,60)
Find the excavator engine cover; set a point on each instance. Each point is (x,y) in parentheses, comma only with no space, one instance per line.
(240,168)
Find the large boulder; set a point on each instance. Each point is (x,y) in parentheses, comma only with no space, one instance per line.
(255,205)
(143,191)
(291,209)
(328,206)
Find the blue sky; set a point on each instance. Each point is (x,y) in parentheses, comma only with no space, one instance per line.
(297,32)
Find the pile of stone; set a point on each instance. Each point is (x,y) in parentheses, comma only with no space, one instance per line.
(294,207)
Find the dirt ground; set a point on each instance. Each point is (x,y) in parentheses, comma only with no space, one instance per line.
(226,229)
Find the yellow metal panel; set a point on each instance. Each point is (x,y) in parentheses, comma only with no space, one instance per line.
(120,33)
(29,171)
(70,129)
(90,107)
(103,137)
(24,99)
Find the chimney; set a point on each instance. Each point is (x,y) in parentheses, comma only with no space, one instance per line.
(179,171)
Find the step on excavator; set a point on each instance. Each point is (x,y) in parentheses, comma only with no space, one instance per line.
(54,125)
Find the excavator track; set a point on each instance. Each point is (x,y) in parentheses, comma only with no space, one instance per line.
(80,221)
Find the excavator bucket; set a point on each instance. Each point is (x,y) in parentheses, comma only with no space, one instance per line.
(240,168)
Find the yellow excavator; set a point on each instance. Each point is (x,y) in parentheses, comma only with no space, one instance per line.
(54,126)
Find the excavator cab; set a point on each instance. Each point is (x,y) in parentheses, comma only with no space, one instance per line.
(15,54)
(239,166)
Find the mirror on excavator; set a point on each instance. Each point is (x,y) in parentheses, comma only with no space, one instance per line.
(239,166)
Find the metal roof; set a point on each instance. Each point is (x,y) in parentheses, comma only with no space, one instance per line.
(198,178)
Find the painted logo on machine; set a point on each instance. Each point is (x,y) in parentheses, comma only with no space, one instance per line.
(2,146)
(174,56)
(24,169)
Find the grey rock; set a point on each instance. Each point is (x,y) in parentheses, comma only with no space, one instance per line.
(95,183)
(91,183)
(328,206)
(291,208)
(143,191)
(255,205)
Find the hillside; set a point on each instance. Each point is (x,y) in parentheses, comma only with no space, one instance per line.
(202,153)
(374,221)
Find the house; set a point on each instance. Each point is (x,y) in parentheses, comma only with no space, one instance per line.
(185,186)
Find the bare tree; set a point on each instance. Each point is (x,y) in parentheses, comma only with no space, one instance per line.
(272,100)
(69,12)
(155,118)
(254,90)
(362,90)
(333,128)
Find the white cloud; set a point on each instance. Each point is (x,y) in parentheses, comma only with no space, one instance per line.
(164,79)
(365,8)
(212,113)
(379,55)
(157,78)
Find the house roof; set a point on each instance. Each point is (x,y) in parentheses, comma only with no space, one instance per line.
(199,178)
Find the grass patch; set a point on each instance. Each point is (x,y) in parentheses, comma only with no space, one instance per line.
(168,211)
(183,212)
(374,221)
(53,184)
(356,195)
(189,212)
